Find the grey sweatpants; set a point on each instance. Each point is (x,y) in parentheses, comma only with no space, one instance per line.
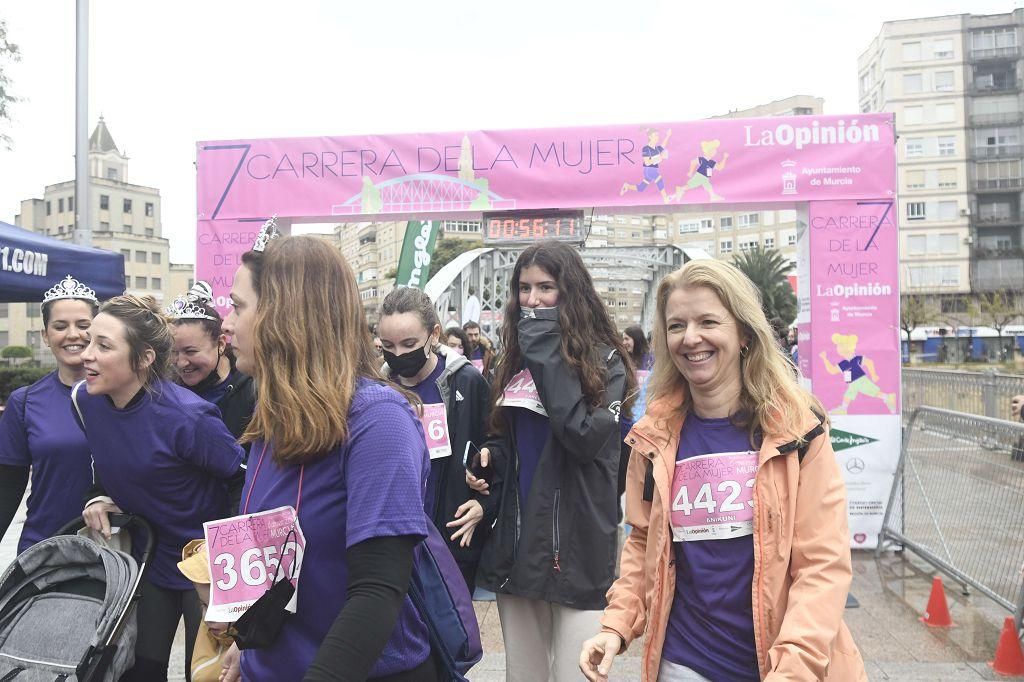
(543,640)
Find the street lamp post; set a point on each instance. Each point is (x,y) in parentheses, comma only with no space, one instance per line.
(83,230)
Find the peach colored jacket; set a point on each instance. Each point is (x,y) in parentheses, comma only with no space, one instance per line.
(802,569)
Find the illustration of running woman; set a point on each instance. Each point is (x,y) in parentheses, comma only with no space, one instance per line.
(653,154)
(852,368)
(701,169)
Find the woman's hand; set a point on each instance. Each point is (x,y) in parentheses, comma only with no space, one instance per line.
(231,668)
(471,514)
(97,516)
(479,484)
(598,654)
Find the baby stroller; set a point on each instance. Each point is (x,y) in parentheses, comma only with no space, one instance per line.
(67,607)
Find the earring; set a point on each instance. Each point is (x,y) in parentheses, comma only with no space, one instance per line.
(743,351)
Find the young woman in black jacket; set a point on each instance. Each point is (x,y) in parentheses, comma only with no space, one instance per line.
(558,391)
(447,383)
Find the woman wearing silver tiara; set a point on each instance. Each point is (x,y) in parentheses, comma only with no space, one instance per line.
(38,431)
(204,361)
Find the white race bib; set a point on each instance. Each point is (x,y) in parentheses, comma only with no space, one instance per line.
(713,497)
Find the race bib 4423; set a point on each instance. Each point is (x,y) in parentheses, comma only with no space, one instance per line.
(713,497)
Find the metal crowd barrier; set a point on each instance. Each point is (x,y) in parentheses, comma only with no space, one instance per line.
(957,501)
(985,393)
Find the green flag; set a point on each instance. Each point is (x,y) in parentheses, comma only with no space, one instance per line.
(417,249)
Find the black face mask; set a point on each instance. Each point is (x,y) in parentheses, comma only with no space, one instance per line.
(409,364)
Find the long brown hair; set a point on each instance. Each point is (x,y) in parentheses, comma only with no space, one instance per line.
(770,395)
(584,320)
(311,347)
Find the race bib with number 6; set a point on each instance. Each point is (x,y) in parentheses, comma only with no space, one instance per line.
(435,428)
(244,553)
(713,497)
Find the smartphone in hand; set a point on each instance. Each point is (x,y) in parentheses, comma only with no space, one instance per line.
(471,459)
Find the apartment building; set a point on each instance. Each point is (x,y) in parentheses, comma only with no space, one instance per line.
(954,83)
(125,218)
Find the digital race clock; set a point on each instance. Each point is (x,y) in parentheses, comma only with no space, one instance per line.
(520,227)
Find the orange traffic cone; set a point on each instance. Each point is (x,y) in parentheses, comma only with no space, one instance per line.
(937,613)
(1009,657)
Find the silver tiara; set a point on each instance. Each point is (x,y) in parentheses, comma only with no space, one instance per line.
(267,232)
(185,308)
(69,287)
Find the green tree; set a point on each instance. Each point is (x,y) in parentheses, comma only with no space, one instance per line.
(997,310)
(916,311)
(767,269)
(446,250)
(8,52)
(16,352)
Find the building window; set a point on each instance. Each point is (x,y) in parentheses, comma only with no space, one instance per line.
(60,205)
(156,283)
(947,210)
(915,147)
(725,223)
(945,113)
(916,210)
(149,209)
(748,245)
(917,244)
(689,227)
(4,309)
(467,226)
(104,202)
(140,282)
(915,179)
(48,208)
(943,81)
(947,178)
(60,229)
(913,116)
(71,203)
(111,174)
(725,246)
(943,48)
(769,242)
(5,339)
(993,39)
(947,145)
(749,219)
(126,228)
(127,254)
(127,205)
(104,226)
(911,52)
(127,281)
(191,282)
(913,83)
(140,256)
(156,259)
(791,239)
(149,231)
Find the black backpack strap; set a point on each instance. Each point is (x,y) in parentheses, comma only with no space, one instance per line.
(801,450)
(649,482)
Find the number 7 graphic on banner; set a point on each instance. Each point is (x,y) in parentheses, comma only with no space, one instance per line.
(241,160)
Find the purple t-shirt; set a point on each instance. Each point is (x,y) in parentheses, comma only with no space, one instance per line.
(38,430)
(853,367)
(430,394)
(532,431)
(704,166)
(166,457)
(371,486)
(711,625)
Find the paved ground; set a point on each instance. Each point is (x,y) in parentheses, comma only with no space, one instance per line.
(892,592)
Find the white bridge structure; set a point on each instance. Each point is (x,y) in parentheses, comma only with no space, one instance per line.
(487,272)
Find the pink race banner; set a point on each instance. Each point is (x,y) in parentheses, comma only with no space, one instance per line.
(615,168)
(854,300)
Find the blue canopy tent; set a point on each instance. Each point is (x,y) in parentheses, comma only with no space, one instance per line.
(31,263)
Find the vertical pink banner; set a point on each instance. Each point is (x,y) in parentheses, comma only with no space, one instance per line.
(221,245)
(854,301)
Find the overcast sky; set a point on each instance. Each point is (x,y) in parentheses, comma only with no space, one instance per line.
(166,74)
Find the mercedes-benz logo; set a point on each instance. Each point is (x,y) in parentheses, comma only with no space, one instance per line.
(855,465)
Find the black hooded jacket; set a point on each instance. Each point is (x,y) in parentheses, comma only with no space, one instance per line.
(561,547)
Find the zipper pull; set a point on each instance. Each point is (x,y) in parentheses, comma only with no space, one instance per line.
(557,567)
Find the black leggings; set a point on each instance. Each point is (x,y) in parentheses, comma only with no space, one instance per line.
(159,612)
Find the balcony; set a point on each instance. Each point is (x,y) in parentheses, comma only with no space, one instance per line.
(996,220)
(1002,86)
(1006,151)
(1003,270)
(997,184)
(1005,118)
(992,53)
